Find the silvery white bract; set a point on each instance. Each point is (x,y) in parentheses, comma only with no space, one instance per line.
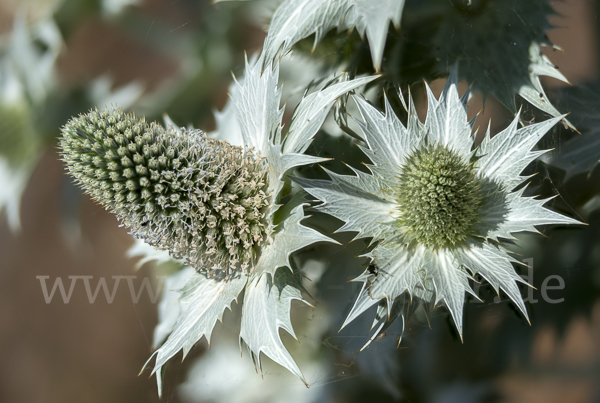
(270,285)
(170,306)
(298,19)
(533,91)
(433,259)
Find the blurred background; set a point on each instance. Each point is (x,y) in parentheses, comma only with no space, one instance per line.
(61,58)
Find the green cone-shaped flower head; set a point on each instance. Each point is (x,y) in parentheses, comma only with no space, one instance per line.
(202,199)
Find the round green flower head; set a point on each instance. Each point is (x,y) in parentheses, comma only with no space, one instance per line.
(201,199)
(438,197)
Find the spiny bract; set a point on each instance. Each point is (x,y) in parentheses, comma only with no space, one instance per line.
(199,198)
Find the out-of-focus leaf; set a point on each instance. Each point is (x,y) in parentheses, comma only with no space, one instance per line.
(116,7)
(102,94)
(582,152)
(35,65)
(496,44)
(13,180)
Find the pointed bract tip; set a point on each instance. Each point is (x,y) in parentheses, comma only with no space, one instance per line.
(343,326)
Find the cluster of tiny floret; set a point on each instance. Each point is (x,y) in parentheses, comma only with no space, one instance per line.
(438,197)
(201,199)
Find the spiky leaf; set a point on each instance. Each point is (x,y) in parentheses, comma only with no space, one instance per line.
(312,111)
(290,236)
(373,17)
(267,305)
(298,19)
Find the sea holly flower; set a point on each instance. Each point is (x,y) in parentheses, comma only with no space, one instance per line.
(437,207)
(213,204)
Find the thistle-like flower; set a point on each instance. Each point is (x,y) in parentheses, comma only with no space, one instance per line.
(437,207)
(214,204)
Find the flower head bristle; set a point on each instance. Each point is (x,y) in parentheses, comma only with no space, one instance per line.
(201,199)
(438,196)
